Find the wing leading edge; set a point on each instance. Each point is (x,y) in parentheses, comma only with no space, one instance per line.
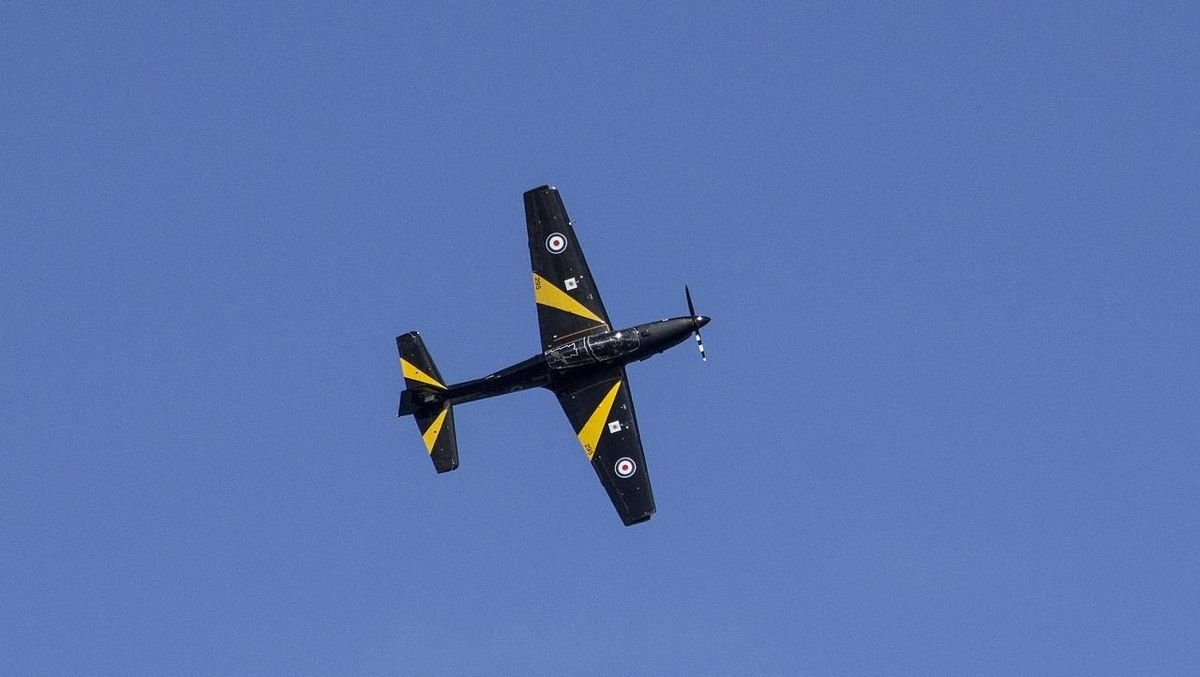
(568,302)
(600,409)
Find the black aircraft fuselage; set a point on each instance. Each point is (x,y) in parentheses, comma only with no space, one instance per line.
(572,360)
(582,362)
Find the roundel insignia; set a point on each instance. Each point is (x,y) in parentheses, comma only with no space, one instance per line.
(556,243)
(625,467)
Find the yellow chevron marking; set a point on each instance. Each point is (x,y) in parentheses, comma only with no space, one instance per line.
(589,437)
(412,372)
(431,434)
(547,294)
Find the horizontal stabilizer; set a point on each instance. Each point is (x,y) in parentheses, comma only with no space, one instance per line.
(424,399)
(437,430)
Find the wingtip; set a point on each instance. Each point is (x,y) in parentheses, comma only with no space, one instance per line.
(639,519)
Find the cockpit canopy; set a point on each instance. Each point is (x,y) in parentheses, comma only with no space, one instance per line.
(616,344)
(591,349)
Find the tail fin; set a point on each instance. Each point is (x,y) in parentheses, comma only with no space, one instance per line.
(424,399)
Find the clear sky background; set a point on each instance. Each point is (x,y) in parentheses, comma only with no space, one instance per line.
(949,422)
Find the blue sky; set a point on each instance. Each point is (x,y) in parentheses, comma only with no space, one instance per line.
(948,424)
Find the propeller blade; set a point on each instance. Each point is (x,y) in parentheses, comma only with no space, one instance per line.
(695,325)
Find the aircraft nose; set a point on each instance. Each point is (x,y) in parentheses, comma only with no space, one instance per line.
(701,320)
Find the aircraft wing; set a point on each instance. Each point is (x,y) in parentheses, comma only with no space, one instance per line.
(601,412)
(568,303)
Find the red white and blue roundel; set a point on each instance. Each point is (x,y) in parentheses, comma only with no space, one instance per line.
(625,467)
(556,243)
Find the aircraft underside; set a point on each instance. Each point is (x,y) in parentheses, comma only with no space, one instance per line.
(582,361)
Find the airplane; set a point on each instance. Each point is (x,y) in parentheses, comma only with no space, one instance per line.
(582,362)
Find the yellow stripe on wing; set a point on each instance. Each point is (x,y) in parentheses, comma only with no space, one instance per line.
(411,372)
(547,294)
(589,437)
